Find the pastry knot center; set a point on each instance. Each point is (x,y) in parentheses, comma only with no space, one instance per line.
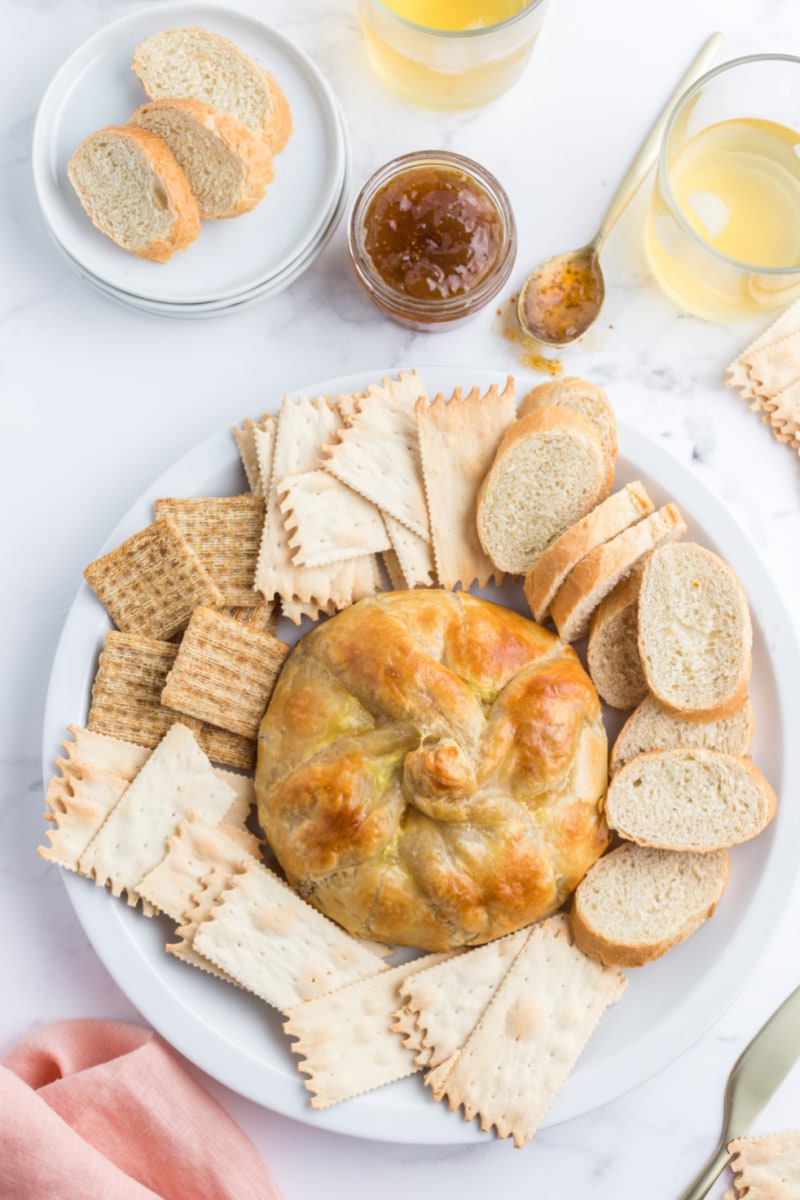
(439,778)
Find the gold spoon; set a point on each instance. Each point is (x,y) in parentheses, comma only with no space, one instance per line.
(561,298)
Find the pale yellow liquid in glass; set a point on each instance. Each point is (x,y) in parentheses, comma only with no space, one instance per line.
(455,14)
(450,73)
(737,185)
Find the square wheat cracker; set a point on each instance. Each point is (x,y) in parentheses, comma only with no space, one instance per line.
(224,673)
(176,780)
(126,692)
(151,583)
(516,1060)
(458,441)
(346,1038)
(225,534)
(277,946)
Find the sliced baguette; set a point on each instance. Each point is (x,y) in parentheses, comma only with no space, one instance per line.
(618,512)
(612,653)
(547,474)
(601,570)
(635,904)
(193,64)
(650,728)
(689,799)
(228,167)
(134,192)
(584,397)
(695,634)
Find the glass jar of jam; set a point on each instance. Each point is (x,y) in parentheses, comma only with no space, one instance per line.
(432,238)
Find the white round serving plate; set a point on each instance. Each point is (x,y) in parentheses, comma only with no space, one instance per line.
(96,87)
(219,308)
(667,1005)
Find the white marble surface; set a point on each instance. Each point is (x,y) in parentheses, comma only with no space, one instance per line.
(97,400)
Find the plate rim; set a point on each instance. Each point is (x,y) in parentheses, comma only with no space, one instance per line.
(45,124)
(772,892)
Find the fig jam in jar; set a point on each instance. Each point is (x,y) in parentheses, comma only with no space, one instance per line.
(432,238)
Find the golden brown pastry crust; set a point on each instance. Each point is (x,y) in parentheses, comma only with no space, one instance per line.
(432,769)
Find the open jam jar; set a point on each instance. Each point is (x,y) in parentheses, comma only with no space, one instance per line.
(432,238)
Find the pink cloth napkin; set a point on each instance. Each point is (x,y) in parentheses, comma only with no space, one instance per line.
(101,1110)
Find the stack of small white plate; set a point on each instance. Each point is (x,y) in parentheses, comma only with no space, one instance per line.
(233,263)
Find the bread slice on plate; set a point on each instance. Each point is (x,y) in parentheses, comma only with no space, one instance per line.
(695,634)
(635,904)
(689,799)
(547,474)
(193,64)
(612,653)
(134,192)
(599,572)
(228,167)
(650,728)
(624,508)
(583,397)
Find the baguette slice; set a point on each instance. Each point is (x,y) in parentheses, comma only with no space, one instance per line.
(193,64)
(600,571)
(689,799)
(619,511)
(228,167)
(547,474)
(134,192)
(612,653)
(636,903)
(695,635)
(650,728)
(583,397)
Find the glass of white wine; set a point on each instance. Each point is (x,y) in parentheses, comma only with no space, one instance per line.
(722,232)
(450,53)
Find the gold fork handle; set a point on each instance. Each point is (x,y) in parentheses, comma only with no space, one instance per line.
(713,1169)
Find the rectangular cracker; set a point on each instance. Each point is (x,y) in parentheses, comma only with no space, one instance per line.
(443,1004)
(78,800)
(782,412)
(327,521)
(194,849)
(176,780)
(774,367)
(224,673)
(276,945)
(414,555)
(209,890)
(377,455)
(120,758)
(738,371)
(518,1056)
(458,441)
(151,583)
(303,427)
(225,534)
(246,442)
(345,1038)
(767,1167)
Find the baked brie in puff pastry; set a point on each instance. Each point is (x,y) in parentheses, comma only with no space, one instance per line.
(432,770)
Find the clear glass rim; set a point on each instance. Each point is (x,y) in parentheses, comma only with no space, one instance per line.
(458,34)
(433,311)
(663,171)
